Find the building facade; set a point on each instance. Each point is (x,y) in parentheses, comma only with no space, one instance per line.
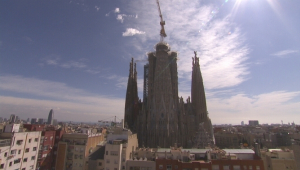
(73,150)
(23,150)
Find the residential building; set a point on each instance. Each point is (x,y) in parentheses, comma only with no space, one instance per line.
(23,152)
(74,148)
(278,159)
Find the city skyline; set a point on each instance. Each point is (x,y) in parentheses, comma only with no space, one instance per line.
(73,56)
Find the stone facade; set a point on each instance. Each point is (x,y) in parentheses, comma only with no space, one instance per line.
(163,118)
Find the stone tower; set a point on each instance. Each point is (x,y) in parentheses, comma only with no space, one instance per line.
(132,100)
(162,117)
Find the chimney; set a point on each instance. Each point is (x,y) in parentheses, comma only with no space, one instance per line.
(257,149)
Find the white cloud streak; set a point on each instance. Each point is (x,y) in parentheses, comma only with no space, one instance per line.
(268,108)
(78,65)
(132,32)
(71,101)
(285,53)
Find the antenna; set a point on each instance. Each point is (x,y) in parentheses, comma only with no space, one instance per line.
(162,23)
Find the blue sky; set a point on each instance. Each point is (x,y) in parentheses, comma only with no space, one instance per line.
(73,56)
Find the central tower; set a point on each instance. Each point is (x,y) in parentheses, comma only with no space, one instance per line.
(162,117)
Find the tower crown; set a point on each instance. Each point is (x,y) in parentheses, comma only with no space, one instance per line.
(162,46)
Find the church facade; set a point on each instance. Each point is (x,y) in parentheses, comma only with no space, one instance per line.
(163,118)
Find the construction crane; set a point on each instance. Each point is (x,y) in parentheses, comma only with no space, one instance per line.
(162,23)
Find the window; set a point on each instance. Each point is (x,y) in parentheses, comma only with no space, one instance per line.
(51,137)
(19,151)
(13,152)
(100,164)
(1,166)
(46,148)
(26,150)
(16,161)
(36,139)
(226,167)
(116,162)
(107,161)
(257,167)
(34,149)
(23,168)
(245,167)
(19,142)
(175,166)
(29,140)
(25,160)
(250,167)
(169,167)
(33,158)
(10,163)
(160,166)
(236,167)
(106,152)
(215,167)
(114,153)
(5,154)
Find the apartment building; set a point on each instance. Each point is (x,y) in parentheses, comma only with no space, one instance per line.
(119,146)
(22,153)
(278,159)
(74,148)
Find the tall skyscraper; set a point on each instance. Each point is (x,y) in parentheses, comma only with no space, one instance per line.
(50,117)
(12,118)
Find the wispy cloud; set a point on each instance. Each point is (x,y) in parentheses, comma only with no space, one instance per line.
(132,32)
(71,101)
(284,53)
(28,39)
(190,26)
(269,107)
(120,17)
(97,8)
(80,64)
(73,64)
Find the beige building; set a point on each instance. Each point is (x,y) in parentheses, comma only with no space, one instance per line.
(113,154)
(22,153)
(119,146)
(74,149)
(278,159)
